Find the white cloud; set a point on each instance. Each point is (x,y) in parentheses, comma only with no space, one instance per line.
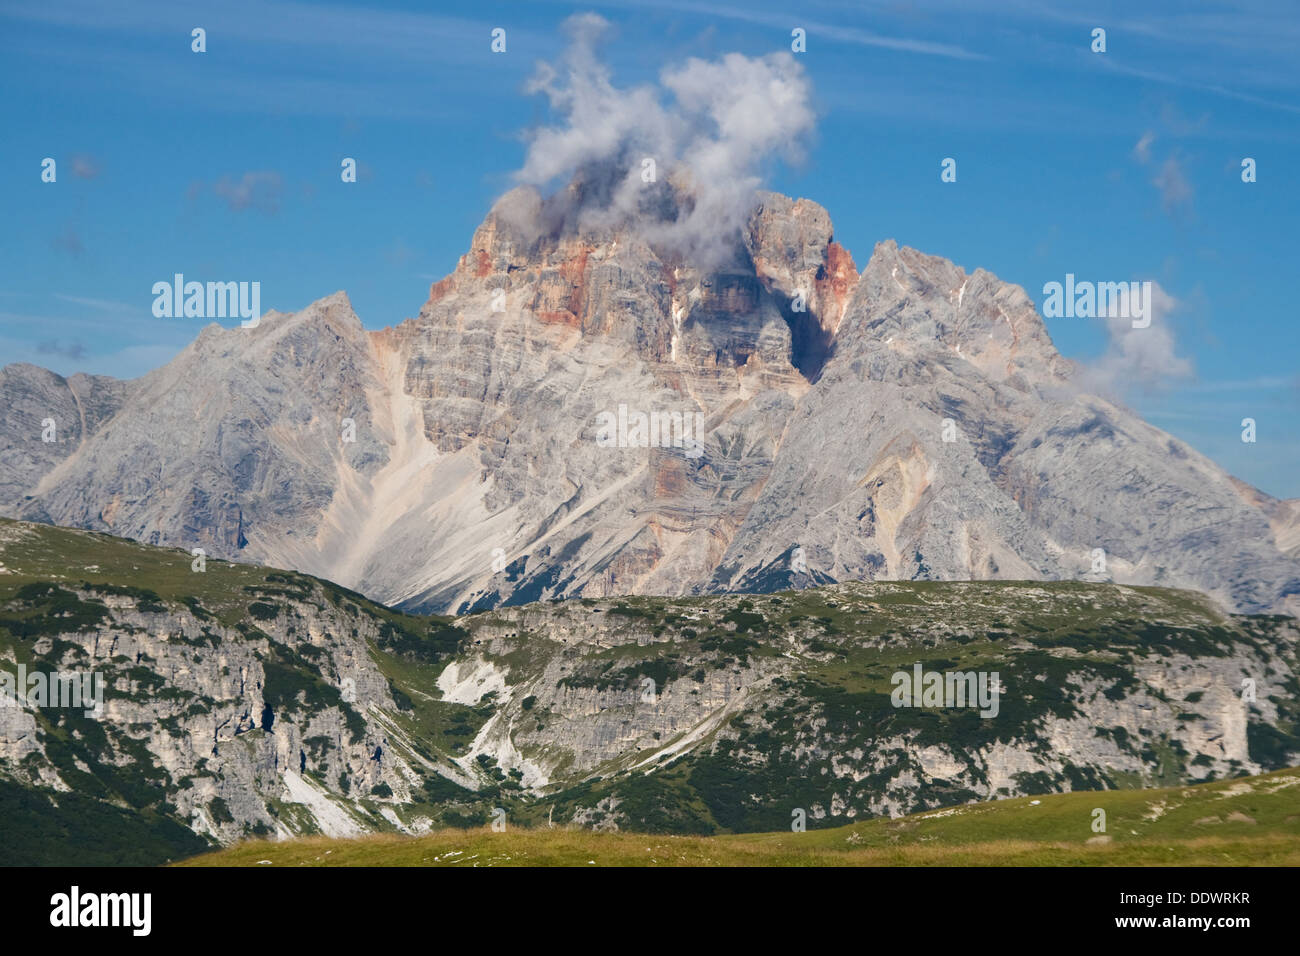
(711,128)
(1141,359)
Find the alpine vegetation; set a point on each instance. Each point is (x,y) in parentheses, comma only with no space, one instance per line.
(252,702)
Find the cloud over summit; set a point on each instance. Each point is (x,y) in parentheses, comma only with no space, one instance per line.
(711,128)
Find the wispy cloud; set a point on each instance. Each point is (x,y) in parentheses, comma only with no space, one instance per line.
(345,31)
(817,31)
(260,190)
(1142,151)
(1167,79)
(104,305)
(1170,180)
(277,56)
(1175,189)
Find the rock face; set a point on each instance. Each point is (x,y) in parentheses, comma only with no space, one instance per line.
(907,422)
(47,418)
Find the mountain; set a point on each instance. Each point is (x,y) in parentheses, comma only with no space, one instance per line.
(909,421)
(239,700)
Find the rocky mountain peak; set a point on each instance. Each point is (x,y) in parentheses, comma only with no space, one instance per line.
(565,266)
(606,397)
(916,304)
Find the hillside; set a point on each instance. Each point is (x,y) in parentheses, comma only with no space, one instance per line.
(243,701)
(1250,821)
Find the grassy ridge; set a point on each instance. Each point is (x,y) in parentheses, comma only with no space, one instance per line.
(816,664)
(230,592)
(1248,821)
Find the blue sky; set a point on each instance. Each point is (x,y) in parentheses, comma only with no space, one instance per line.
(225,165)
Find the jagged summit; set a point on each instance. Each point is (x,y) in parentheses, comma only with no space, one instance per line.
(906,420)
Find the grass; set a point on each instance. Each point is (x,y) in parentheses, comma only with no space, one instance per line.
(1248,821)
